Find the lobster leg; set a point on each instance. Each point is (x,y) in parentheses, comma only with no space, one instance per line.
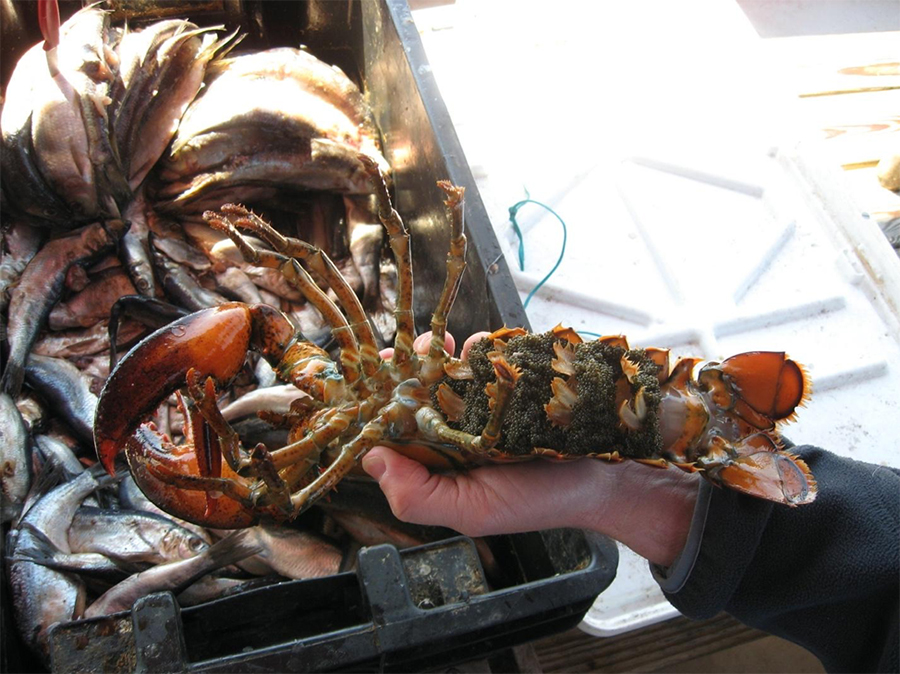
(321,263)
(372,433)
(300,279)
(205,399)
(432,368)
(433,426)
(404,359)
(315,442)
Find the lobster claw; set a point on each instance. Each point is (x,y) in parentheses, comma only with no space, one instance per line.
(188,480)
(213,341)
(163,471)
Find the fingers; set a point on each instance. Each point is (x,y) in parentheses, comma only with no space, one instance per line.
(423,342)
(414,494)
(421,345)
(487,500)
(470,342)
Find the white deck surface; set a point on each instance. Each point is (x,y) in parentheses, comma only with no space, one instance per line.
(697,220)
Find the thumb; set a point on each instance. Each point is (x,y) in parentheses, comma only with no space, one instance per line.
(414,494)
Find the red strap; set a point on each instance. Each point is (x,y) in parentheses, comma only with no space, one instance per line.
(48,19)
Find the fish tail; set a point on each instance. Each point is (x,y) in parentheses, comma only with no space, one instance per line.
(104,479)
(233,548)
(35,547)
(13,376)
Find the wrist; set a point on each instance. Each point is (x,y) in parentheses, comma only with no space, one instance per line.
(647,509)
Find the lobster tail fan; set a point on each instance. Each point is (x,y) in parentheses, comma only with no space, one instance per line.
(769,383)
(775,476)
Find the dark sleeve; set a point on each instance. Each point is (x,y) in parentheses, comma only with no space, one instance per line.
(824,575)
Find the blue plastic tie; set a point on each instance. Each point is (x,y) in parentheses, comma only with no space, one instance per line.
(513,211)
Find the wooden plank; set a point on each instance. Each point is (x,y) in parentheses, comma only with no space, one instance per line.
(881,204)
(857,108)
(861,148)
(653,648)
(830,64)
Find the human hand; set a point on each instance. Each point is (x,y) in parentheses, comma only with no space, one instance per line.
(647,509)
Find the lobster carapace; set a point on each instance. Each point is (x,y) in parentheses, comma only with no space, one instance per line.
(517,396)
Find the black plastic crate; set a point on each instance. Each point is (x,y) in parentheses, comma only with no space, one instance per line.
(397,612)
(407,610)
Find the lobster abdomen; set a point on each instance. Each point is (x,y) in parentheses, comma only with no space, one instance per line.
(604,399)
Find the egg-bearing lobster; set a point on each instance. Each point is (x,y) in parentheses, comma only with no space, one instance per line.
(517,396)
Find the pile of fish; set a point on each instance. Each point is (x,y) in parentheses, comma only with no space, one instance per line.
(115,139)
(89,545)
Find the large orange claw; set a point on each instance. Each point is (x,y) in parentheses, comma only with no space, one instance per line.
(213,341)
(170,477)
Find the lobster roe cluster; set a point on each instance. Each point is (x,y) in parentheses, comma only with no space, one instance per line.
(595,416)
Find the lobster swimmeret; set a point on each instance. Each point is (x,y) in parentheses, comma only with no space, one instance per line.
(517,396)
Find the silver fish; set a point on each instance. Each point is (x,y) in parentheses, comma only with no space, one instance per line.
(304,164)
(87,62)
(24,185)
(328,81)
(275,398)
(136,247)
(33,412)
(236,283)
(58,130)
(382,318)
(77,343)
(184,58)
(93,303)
(174,576)
(182,252)
(20,244)
(132,536)
(15,457)
(311,323)
(41,286)
(214,587)
(181,287)
(38,549)
(273,281)
(66,390)
(265,375)
(56,453)
(291,553)
(43,596)
(137,76)
(366,237)
(133,498)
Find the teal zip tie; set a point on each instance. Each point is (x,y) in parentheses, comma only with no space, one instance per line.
(513,210)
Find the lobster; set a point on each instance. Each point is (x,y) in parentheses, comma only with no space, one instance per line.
(517,396)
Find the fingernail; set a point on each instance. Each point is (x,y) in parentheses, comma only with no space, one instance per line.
(374,466)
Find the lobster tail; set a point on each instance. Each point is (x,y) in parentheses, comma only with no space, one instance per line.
(766,472)
(768,383)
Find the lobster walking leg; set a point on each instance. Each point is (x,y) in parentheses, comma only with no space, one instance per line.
(432,424)
(321,263)
(298,277)
(432,368)
(404,359)
(229,444)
